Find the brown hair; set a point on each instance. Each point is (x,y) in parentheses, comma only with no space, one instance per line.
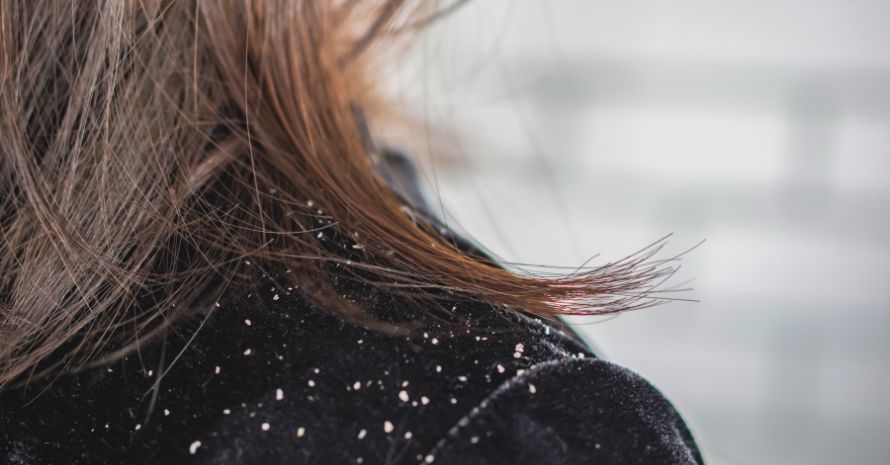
(149,147)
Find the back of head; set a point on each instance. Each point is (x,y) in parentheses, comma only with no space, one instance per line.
(150,147)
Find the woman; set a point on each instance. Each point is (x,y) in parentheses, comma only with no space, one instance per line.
(207,260)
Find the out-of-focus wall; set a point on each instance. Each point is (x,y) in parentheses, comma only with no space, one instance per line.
(592,126)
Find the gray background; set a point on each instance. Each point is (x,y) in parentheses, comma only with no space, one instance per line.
(565,128)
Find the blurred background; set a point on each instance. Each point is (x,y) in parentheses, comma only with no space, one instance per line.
(567,128)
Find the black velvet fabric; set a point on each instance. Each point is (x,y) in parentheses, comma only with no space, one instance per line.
(270,380)
(264,378)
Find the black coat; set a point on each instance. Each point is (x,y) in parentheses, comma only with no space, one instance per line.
(269,380)
(264,378)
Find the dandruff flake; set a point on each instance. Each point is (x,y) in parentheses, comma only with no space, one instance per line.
(193,447)
(520,348)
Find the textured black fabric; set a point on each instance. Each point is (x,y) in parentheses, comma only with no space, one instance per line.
(263,378)
(270,380)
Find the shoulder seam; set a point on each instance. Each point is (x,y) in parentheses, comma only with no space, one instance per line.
(519,379)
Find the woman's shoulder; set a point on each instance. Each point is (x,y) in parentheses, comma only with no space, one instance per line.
(268,379)
(580,410)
